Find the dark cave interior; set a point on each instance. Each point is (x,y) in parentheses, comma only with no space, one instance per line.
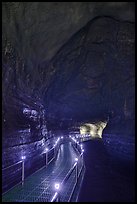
(65,64)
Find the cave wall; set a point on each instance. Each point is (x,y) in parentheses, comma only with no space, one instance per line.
(25,136)
(80,68)
(95,73)
(95,66)
(95,79)
(92,76)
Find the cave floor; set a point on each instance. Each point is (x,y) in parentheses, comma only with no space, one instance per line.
(39,187)
(106,179)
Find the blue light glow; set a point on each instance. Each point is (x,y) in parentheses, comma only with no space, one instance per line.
(57,186)
(76,159)
(23,157)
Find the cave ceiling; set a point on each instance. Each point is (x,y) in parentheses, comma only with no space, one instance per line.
(74,58)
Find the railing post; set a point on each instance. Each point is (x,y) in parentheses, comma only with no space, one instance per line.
(22,172)
(54,152)
(46,156)
(56,149)
(46,159)
(58,198)
(82,159)
(76,172)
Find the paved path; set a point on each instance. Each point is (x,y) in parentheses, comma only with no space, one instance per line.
(39,187)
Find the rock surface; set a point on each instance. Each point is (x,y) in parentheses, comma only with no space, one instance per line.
(65,62)
(94,72)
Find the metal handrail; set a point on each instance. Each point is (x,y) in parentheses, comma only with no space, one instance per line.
(66,177)
(54,197)
(56,194)
(75,184)
(12,165)
(23,162)
(70,171)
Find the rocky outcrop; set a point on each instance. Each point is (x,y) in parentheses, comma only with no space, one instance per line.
(95,72)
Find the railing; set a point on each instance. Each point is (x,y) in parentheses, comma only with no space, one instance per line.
(49,155)
(57,194)
(17,170)
(9,181)
(82,137)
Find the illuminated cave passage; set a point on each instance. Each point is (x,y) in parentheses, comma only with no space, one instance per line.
(68,70)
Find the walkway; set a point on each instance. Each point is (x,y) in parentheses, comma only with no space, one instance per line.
(39,187)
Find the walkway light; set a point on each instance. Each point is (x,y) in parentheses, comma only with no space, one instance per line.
(47,149)
(23,157)
(57,186)
(76,159)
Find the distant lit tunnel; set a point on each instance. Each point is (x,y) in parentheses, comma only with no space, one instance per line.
(94,130)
